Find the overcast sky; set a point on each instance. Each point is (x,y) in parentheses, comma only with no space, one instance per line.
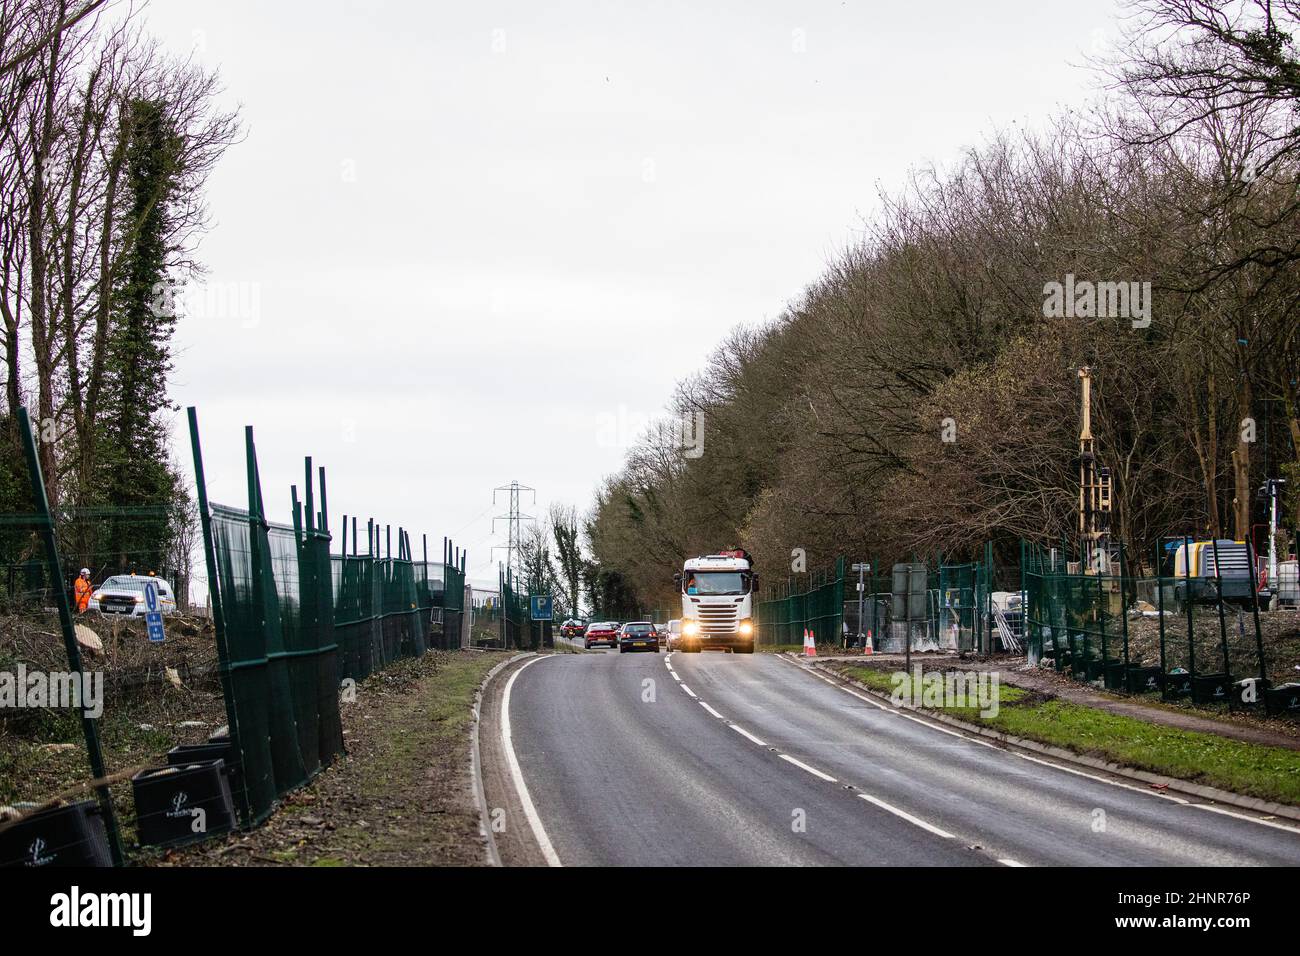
(468,243)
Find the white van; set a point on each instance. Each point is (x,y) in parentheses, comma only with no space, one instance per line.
(674,634)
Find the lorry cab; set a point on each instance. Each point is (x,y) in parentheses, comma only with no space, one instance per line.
(717,597)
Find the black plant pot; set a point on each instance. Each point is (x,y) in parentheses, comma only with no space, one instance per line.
(184,803)
(1211,688)
(1178,685)
(1114,675)
(191,753)
(1140,680)
(1284,699)
(71,835)
(1249,692)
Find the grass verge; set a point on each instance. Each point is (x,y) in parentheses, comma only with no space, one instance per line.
(1270,773)
(401,796)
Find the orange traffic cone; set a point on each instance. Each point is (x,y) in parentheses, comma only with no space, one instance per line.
(866,647)
(809,643)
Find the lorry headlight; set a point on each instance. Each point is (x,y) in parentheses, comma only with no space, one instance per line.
(690,628)
(747,627)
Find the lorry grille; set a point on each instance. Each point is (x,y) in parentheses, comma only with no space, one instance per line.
(718,618)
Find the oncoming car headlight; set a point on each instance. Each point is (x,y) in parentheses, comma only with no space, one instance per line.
(691,628)
(747,627)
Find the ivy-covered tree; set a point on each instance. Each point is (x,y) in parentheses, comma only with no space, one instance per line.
(134,467)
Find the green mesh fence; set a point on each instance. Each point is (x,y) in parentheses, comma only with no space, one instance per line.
(516,623)
(815,603)
(963,592)
(1141,634)
(454,611)
(293,620)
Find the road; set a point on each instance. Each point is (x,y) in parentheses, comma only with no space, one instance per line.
(721,759)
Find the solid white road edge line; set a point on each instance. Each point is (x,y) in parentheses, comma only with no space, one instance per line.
(530,811)
(903,814)
(476,762)
(712,711)
(984,743)
(1009,862)
(1242,816)
(812,770)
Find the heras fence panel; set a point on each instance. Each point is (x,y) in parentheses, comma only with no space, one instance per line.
(272,599)
(453,619)
(815,604)
(515,617)
(357,621)
(256,693)
(958,606)
(315,638)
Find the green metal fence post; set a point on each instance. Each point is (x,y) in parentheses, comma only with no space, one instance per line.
(1187,595)
(1223,623)
(1160,606)
(88,728)
(1259,636)
(1123,600)
(1102,609)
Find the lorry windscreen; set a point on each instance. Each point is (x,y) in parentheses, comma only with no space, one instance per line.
(717,582)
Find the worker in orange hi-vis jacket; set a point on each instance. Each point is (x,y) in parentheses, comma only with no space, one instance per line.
(82,590)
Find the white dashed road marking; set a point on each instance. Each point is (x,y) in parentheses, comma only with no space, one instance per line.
(812,770)
(747,735)
(904,815)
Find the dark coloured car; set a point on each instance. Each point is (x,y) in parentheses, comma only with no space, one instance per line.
(638,636)
(604,633)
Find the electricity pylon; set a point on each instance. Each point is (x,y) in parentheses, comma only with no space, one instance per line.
(512,519)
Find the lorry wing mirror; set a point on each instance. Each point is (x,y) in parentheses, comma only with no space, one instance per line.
(753,583)
(677,579)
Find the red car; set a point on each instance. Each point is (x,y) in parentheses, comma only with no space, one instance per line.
(604,632)
(571,628)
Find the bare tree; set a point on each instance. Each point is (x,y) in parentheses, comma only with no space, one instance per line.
(72,76)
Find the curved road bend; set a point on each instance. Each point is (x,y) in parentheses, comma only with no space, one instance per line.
(721,759)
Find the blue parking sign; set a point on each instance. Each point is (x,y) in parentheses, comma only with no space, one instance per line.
(541,606)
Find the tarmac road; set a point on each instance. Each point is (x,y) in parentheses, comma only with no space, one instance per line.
(728,759)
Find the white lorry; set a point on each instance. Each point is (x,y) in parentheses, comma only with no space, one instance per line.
(718,594)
